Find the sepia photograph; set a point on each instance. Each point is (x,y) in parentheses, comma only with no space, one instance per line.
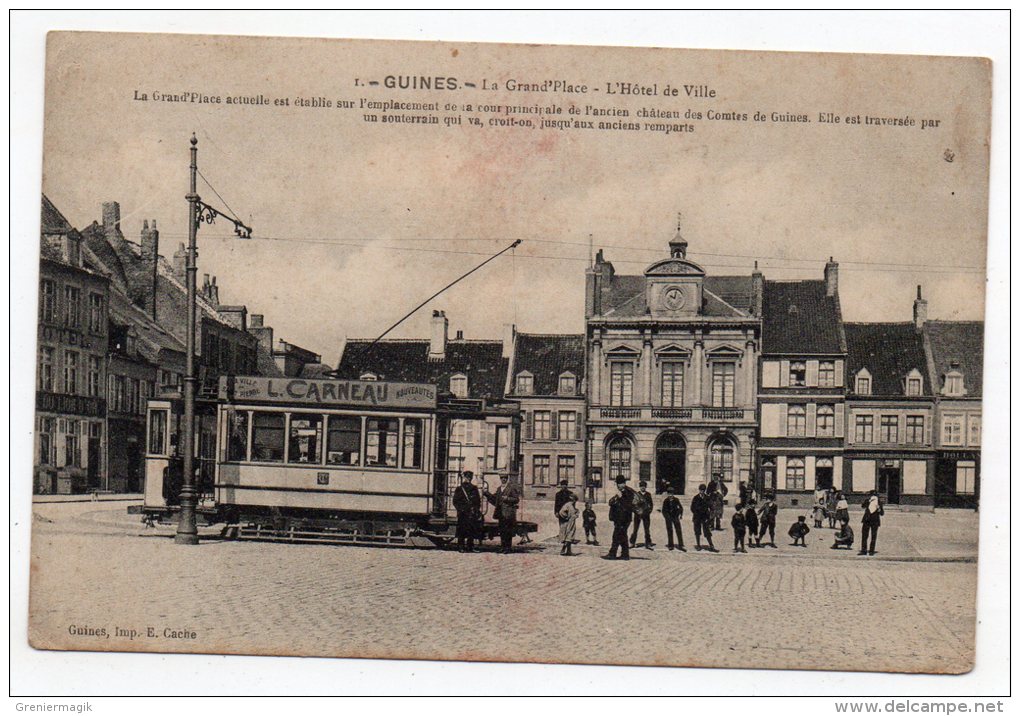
(518,353)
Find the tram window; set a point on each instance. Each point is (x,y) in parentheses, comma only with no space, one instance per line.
(267,437)
(412,442)
(305,438)
(237,442)
(343,440)
(381,443)
(157,432)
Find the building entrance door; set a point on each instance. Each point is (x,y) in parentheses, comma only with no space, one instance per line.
(93,464)
(889,484)
(670,463)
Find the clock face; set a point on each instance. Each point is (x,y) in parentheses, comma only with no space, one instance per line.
(674,298)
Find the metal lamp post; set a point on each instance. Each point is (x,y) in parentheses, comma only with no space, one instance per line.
(198,211)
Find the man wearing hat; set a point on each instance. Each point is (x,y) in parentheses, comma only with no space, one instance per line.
(701,513)
(621,507)
(672,511)
(505,501)
(643,506)
(562,497)
(468,504)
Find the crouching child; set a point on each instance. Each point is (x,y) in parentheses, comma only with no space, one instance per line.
(799,530)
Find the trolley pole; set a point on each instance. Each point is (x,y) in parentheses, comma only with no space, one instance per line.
(187,527)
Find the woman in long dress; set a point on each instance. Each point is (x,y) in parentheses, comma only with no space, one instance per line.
(568,525)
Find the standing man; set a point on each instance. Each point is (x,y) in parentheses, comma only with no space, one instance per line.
(643,506)
(562,498)
(767,514)
(505,502)
(672,511)
(468,503)
(701,513)
(621,507)
(871,521)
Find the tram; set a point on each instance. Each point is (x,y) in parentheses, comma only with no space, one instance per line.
(336,461)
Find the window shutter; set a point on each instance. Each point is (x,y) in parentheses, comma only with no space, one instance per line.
(839,373)
(812,419)
(554,428)
(783,409)
(927,430)
(839,410)
(781,472)
(837,471)
(577,427)
(770,374)
(809,473)
(529,425)
(784,373)
(812,373)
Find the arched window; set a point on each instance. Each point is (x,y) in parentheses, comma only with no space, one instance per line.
(459,385)
(619,451)
(568,384)
(721,455)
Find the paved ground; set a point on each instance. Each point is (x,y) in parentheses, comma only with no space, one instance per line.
(94,569)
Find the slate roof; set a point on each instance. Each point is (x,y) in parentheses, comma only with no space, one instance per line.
(889,351)
(155,344)
(53,222)
(408,361)
(797,317)
(626,296)
(314,371)
(546,357)
(960,342)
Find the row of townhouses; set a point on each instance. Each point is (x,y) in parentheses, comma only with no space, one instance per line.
(682,377)
(111,334)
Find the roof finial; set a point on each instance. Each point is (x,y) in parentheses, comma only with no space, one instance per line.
(678,246)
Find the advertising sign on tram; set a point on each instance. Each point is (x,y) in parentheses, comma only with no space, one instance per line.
(361,393)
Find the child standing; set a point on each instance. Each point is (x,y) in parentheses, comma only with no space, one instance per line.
(799,530)
(739,524)
(588,519)
(568,524)
(751,520)
(819,512)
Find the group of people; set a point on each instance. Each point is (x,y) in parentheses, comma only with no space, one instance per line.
(631,510)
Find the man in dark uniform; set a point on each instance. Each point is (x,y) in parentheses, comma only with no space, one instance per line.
(505,501)
(468,503)
(621,507)
(672,511)
(643,506)
(701,513)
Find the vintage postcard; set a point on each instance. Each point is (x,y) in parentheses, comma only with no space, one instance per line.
(388,349)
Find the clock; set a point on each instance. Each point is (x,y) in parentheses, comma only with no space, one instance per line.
(674,298)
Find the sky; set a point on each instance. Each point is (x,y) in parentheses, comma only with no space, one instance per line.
(355,223)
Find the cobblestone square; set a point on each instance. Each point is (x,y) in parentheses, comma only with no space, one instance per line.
(101,581)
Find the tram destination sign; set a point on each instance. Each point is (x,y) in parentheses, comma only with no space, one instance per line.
(359,393)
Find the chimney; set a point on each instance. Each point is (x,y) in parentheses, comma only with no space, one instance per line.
(255,320)
(757,291)
(181,262)
(831,278)
(437,340)
(920,310)
(150,257)
(509,334)
(678,246)
(111,218)
(459,336)
(214,292)
(205,286)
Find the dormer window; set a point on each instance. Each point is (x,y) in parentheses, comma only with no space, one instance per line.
(914,383)
(568,384)
(369,376)
(798,372)
(525,383)
(862,384)
(953,383)
(459,385)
